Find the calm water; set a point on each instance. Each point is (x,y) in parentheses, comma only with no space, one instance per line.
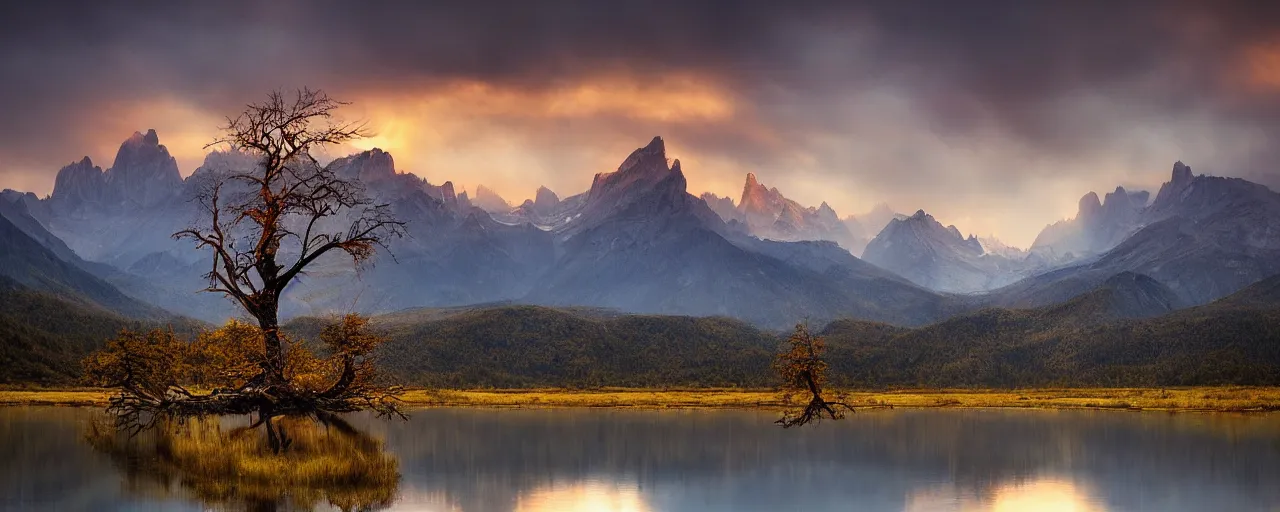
(602,460)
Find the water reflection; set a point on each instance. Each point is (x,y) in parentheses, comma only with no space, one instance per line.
(234,468)
(588,496)
(459,460)
(1045,494)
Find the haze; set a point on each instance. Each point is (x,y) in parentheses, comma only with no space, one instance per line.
(849,104)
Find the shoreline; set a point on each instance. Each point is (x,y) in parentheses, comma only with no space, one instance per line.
(1193,399)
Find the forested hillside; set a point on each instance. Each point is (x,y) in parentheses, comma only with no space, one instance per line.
(1090,341)
(43,336)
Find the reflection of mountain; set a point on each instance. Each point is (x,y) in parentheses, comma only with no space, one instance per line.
(708,460)
(490,460)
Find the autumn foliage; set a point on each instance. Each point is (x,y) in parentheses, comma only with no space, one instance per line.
(802,369)
(161,375)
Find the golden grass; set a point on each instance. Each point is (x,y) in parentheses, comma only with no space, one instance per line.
(347,470)
(1166,399)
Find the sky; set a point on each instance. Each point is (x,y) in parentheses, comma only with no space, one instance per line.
(993,116)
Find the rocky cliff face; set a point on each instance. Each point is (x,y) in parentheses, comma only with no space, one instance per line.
(1203,237)
(637,241)
(490,201)
(368,167)
(723,206)
(940,258)
(143,174)
(545,202)
(652,247)
(768,214)
(925,252)
(79,185)
(1098,226)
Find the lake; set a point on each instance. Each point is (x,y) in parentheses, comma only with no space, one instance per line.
(571,460)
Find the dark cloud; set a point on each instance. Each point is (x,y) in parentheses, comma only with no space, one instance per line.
(975,98)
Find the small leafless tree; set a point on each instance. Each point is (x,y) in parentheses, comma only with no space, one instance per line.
(803,370)
(264,227)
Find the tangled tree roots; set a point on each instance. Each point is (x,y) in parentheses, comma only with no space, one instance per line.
(153,372)
(802,368)
(136,410)
(814,412)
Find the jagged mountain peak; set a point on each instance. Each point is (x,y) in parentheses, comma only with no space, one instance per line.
(545,196)
(1090,206)
(939,257)
(1098,226)
(489,200)
(922,222)
(1119,203)
(826,211)
(644,169)
(448,196)
(723,206)
(139,146)
(372,166)
(1181,179)
(79,183)
(143,173)
(646,159)
(759,199)
(767,213)
(1181,172)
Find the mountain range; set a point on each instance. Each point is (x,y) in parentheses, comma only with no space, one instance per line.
(766,213)
(940,258)
(637,241)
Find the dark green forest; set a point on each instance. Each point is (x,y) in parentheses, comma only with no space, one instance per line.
(43,336)
(1080,343)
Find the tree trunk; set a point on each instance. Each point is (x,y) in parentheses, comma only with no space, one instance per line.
(268,320)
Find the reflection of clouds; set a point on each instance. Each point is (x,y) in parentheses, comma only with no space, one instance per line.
(587,496)
(1046,494)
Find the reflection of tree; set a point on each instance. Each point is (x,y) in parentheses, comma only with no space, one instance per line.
(491,459)
(264,227)
(229,468)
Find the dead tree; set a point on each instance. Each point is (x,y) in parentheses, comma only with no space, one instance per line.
(264,227)
(281,219)
(803,370)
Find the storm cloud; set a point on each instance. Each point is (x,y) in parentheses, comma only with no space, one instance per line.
(996,116)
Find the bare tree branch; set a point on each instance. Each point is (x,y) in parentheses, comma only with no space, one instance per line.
(264,226)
